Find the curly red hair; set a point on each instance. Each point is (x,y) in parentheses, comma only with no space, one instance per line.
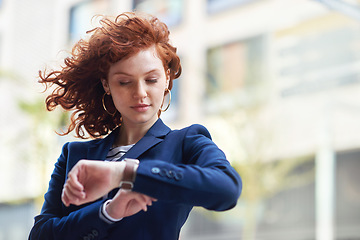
(78,83)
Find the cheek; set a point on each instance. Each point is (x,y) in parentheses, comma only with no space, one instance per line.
(118,100)
(159,96)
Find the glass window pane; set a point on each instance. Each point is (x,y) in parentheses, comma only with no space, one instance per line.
(214,6)
(81,15)
(169,11)
(234,66)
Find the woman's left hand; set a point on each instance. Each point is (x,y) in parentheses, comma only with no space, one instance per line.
(127,203)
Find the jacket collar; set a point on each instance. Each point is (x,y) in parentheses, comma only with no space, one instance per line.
(155,135)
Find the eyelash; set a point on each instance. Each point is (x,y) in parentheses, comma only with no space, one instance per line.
(152,80)
(124,83)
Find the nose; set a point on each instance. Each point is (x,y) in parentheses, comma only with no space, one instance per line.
(140,90)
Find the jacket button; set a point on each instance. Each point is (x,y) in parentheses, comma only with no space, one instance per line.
(170,174)
(95,233)
(163,172)
(178,176)
(155,170)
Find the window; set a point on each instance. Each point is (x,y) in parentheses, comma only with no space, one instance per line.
(279,213)
(168,11)
(81,15)
(1,52)
(234,67)
(350,8)
(319,59)
(214,6)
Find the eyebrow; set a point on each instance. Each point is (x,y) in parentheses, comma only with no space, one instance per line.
(124,73)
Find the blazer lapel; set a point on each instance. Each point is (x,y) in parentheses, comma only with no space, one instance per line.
(100,149)
(154,136)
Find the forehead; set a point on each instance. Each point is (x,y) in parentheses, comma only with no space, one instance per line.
(145,60)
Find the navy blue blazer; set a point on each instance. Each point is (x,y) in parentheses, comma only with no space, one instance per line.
(181,168)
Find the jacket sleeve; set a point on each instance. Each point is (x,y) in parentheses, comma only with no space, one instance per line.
(203,178)
(54,223)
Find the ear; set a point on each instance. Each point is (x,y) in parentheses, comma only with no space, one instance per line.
(105,84)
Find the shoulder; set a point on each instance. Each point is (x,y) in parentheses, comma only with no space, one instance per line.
(84,143)
(198,144)
(72,152)
(78,145)
(194,130)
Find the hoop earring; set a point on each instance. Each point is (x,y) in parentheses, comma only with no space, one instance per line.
(167,107)
(103,103)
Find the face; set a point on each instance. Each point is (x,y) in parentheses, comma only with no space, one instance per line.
(137,85)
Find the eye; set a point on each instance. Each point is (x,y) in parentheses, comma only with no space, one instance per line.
(152,80)
(124,82)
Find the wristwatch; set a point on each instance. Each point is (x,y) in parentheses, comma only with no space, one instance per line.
(129,175)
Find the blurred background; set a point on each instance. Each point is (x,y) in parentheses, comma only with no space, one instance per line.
(276,82)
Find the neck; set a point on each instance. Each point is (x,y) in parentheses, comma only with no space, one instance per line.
(130,134)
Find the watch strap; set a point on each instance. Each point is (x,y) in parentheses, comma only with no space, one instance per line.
(128,179)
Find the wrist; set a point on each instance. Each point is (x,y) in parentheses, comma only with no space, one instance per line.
(106,210)
(117,173)
(129,173)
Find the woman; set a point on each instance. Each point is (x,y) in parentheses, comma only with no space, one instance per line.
(142,179)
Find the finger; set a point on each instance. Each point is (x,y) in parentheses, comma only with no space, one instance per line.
(144,208)
(143,200)
(65,199)
(73,180)
(149,199)
(70,196)
(142,203)
(77,193)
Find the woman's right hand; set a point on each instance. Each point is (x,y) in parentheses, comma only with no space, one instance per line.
(89,180)
(127,203)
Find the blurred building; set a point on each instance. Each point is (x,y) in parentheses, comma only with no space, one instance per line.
(275,80)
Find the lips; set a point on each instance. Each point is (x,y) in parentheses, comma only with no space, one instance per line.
(141,107)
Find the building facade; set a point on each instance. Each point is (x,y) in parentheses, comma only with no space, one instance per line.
(275,81)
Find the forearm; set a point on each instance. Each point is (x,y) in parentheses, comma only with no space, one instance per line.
(214,187)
